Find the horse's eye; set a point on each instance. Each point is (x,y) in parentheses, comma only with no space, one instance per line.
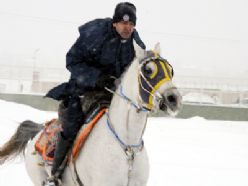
(147,70)
(150,69)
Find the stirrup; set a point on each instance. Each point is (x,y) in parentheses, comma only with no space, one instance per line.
(52,181)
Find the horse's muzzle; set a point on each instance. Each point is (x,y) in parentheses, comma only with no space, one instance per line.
(168,102)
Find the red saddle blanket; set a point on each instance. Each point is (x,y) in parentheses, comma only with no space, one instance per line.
(45,145)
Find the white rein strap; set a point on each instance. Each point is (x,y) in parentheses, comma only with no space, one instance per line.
(138,146)
(123,96)
(130,150)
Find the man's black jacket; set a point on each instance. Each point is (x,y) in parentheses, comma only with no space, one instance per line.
(97,53)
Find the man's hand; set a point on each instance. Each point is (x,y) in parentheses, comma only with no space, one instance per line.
(105,81)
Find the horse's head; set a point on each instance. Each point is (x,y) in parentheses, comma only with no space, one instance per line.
(156,89)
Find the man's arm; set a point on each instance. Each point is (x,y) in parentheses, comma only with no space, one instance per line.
(83,74)
(76,54)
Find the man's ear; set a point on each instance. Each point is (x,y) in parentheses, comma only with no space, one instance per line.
(114,25)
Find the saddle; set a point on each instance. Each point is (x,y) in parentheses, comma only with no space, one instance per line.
(94,104)
(46,143)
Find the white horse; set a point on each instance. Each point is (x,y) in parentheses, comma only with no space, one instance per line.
(114,153)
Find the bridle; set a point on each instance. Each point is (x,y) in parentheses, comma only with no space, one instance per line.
(165,73)
(153,95)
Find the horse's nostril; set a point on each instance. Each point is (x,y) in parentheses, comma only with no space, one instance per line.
(171,99)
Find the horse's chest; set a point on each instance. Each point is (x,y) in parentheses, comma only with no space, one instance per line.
(103,159)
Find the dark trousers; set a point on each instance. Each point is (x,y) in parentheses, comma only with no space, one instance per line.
(73,111)
(71,117)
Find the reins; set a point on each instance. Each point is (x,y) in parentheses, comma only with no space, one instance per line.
(123,96)
(156,96)
(123,144)
(131,150)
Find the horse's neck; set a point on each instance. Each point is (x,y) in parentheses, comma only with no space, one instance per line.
(128,123)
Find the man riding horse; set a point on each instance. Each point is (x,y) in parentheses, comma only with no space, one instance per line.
(98,57)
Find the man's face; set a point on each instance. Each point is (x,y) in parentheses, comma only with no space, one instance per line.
(124,28)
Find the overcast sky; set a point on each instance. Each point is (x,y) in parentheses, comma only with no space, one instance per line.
(199,37)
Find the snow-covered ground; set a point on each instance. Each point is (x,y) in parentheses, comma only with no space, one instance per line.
(182,152)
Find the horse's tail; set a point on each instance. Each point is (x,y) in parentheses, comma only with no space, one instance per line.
(17,143)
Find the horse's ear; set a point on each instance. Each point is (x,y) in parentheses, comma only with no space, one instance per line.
(157,48)
(139,52)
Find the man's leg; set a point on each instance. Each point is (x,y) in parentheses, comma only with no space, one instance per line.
(72,118)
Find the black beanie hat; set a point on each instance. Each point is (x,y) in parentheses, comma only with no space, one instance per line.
(125,12)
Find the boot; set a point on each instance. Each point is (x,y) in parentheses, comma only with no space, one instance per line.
(61,150)
(62,147)
(52,181)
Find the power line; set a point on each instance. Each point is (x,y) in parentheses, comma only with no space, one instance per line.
(163,34)
(38,18)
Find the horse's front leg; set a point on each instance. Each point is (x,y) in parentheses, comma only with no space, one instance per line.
(140,172)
